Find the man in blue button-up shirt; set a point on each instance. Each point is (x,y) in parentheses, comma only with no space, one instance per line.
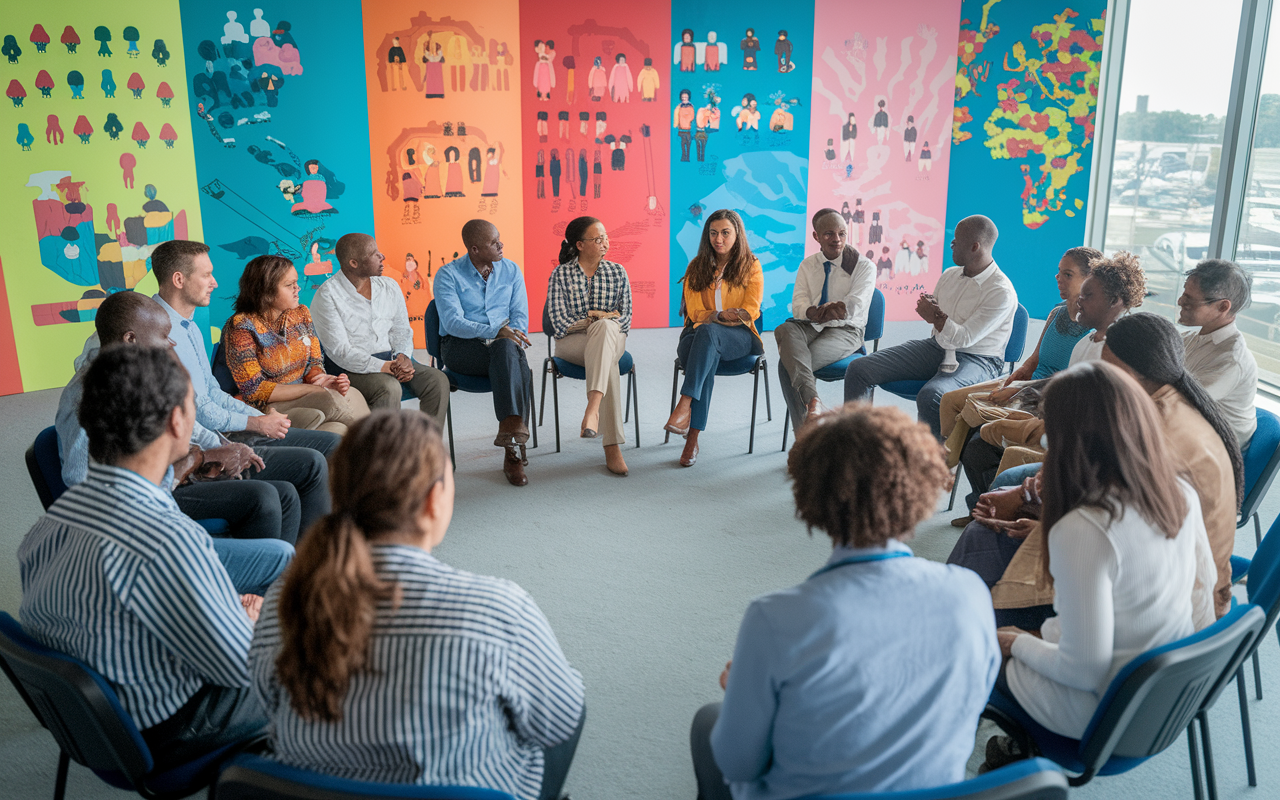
(484,326)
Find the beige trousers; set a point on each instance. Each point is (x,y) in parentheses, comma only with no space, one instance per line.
(598,349)
(326,411)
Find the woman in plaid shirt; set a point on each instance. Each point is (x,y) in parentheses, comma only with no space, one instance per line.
(274,354)
(589,306)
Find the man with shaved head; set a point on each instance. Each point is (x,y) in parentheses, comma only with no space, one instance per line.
(363,323)
(828,314)
(971,313)
(484,326)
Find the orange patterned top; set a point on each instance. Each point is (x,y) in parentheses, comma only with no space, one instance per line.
(262,355)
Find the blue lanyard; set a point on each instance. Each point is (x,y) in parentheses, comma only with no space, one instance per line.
(859,560)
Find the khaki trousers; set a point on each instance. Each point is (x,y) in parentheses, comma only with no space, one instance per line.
(801,350)
(429,385)
(327,410)
(598,350)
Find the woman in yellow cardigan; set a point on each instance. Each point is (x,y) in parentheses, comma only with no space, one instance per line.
(723,288)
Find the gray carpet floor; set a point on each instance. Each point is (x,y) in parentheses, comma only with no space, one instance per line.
(644,578)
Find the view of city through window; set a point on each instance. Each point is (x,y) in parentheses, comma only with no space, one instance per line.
(1168,149)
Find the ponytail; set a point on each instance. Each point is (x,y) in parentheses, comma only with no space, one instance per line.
(573,233)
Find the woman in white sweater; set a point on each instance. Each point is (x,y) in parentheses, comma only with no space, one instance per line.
(1127,549)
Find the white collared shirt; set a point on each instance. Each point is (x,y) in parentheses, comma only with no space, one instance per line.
(979,311)
(352,328)
(854,290)
(1221,361)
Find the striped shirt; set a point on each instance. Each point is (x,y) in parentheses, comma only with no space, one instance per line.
(570,294)
(465,685)
(115,575)
(263,355)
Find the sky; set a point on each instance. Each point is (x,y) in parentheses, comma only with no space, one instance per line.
(1182,55)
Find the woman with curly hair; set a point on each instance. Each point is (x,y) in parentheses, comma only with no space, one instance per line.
(817,701)
(723,290)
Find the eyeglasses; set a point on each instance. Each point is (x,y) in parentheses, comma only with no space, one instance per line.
(1203,302)
(599,240)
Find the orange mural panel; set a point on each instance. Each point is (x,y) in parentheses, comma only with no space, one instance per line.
(444,133)
(10,377)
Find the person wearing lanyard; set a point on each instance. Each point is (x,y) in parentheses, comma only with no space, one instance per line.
(723,289)
(869,676)
(589,306)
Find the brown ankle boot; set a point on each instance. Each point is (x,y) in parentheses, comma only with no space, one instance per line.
(511,430)
(513,466)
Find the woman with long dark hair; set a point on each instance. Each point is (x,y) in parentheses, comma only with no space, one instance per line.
(274,354)
(1126,550)
(589,305)
(723,290)
(376,662)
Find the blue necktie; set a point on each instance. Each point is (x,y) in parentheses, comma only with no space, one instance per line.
(826,267)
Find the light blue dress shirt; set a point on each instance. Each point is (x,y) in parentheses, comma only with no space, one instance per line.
(472,308)
(867,677)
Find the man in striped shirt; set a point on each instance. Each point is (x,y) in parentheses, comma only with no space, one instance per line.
(116,575)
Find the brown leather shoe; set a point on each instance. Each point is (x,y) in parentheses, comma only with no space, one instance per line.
(513,467)
(511,430)
(961,522)
(678,423)
(690,455)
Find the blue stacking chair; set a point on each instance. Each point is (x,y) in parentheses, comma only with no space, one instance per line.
(908,390)
(252,777)
(833,373)
(1033,779)
(44,464)
(82,712)
(747,365)
(558,368)
(457,382)
(1261,462)
(1152,700)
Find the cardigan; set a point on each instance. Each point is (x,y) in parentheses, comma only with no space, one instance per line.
(700,307)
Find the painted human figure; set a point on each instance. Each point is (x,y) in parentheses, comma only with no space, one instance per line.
(458,56)
(411,280)
(570,71)
(859,219)
(648,82)
(433,72)
(479,69)
(597,81)
(570,174)
(830,153)
(453,178)
(884,265)
(602,122)
(712,56)
(315,190)
(127,163)
(847,216)
(748,113)
(686,52)
(539,173)
(750,47)
(920,260)
(542,127)
(563,118)
(411,187)
(909,138)
(431,173)
(881,123)
(473,165)
(782,49)
(259,27)
(582,174)
(848,138)
(556,169)
(902,260)
(270,86)
(620,80)
(597,172)
(544,74)
(925,164)
(53,130)
(396,59)
(708,122)
(876,233)
(490,187)
(233,31)
(682,120)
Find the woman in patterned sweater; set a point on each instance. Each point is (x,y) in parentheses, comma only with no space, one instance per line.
(274,354)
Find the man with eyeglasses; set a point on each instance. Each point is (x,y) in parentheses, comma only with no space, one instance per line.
(1217,355)
(484,327)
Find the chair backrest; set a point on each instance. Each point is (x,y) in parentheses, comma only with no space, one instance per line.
(1032,779)
(1017,337)
(222,372)
(44,463)
(75,703)
(1261,462)
(1264,576)
(251,777)
(1154,698)
(875,318)
(431,326)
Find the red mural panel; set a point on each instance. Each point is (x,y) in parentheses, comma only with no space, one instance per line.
(595,102)
(10,377)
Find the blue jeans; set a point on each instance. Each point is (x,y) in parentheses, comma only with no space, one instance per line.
(918,360)
(252,564)
(700,351)
(1014,476)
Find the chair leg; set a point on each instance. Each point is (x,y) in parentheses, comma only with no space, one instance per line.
(1210,779)
(634,391)
(786,428)
(1246,727)
(542,404)
(529,405)
(1257,529)
(60,783)
(1257,675)
(555,402)
(675,382)
(955,484)
(1194,749)
(768,406)
(448,421)
(626,402)
(755,398)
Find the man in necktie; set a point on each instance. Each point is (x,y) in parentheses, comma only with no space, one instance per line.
(829,314)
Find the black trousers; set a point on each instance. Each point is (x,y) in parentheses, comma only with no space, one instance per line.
(503,362)
(215,716)
(278,502)
(981,462)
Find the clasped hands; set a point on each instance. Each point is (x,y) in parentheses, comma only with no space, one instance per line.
(929,310)
(230,460)
(827,312)
(732,316)
(1013,510)
(400,368)
(341,383)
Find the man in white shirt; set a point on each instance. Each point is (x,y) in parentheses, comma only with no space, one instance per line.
(363,323)
(830,303)
(971,311)
(1217,355)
